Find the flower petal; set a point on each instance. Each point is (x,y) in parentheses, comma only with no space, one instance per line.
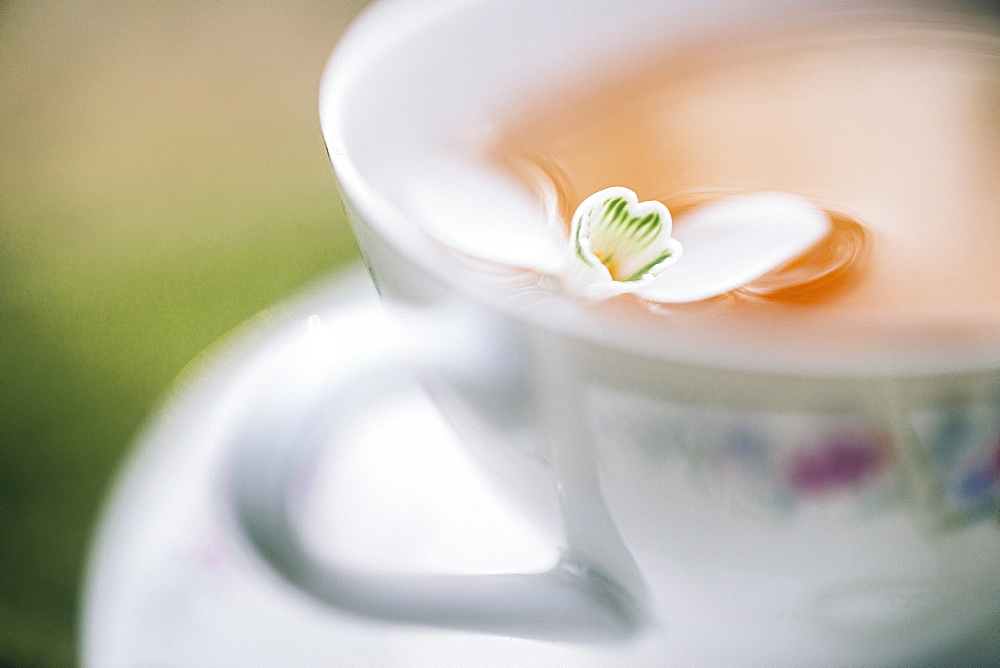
(485,214)
(736,240)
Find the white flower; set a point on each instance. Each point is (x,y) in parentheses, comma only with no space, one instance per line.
(619,245)
(616,244)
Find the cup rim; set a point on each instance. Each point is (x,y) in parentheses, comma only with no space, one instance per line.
(387,24)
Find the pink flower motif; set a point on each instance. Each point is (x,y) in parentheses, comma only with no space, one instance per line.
(846,460)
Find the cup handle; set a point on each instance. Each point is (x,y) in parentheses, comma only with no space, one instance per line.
(573,601)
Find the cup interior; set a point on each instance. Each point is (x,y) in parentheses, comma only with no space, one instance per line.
(409,78)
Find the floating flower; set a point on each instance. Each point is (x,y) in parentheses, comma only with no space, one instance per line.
(616,244)
(620,245)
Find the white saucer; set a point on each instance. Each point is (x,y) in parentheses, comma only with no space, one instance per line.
(172,583)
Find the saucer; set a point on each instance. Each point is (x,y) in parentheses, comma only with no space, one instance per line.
(172,582)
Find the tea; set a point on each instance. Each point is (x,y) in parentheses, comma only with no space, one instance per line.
(891,125)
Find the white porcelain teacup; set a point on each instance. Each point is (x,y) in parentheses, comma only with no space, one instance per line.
(714,507)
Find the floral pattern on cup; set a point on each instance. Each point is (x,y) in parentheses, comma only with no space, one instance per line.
(779,463)
(979,487)
(784,461)
(846,460)
(969,460)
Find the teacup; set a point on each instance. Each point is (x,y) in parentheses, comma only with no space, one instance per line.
(715,506)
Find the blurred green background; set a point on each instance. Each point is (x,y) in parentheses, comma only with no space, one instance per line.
(162,179)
